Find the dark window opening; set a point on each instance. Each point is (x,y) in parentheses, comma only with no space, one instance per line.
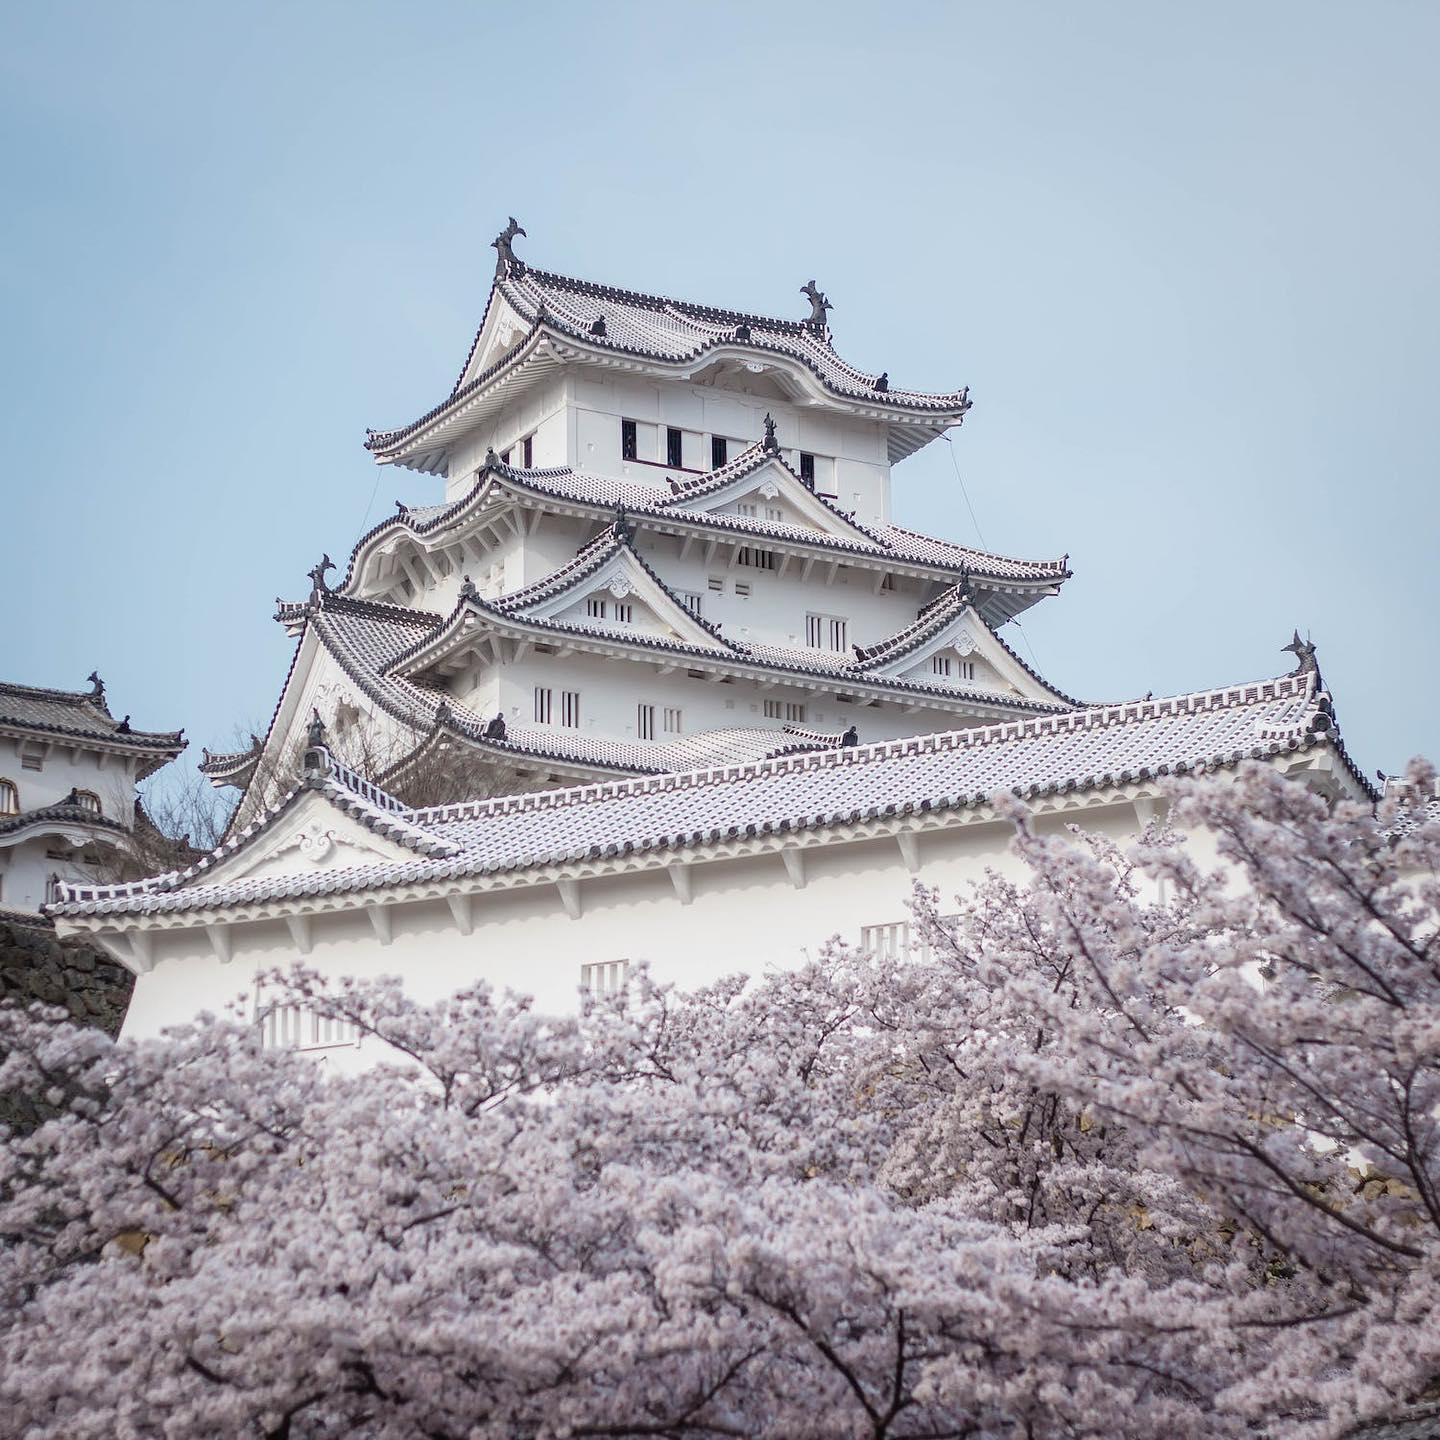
(504,457)
(629,449)
(717,451)
(528,449)
(807,470)
(674,449)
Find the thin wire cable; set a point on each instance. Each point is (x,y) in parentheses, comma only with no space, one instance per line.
(984,544)
(374,490)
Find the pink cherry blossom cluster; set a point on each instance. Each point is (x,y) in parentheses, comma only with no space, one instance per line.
(1140,1148)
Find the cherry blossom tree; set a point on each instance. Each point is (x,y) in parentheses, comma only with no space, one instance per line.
(1139,1148)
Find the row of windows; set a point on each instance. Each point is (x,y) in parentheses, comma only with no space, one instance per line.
(788,710)
(675,450)
(10,798)
(527,453)
(671,716)
(826,632)
(597,609)
(947,666)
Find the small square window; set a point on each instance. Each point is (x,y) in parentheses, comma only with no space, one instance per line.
(672,720)
(543,697)
(717,585)
(742,589)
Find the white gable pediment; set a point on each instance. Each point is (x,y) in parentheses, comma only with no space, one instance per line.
(502,331)
(313,836)
(630,598)
(772,486)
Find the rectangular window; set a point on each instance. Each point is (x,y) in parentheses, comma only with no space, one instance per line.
(888,583)
(609,977)
(674,448)
(717,451)
(940,664)
(826,632)
(690,600)
(625,614)
(529,451)
(629,449)
(742,589)
(794,713)
(757,559)
(672,720)
(745,510)
(595,609)
(504,457)
(888,942)
(807,470)
(967,669)
(570,708)
(645,721)
(772,710)
(31,760)
(542,704)
(773,512)
(717,585)
(298,1027)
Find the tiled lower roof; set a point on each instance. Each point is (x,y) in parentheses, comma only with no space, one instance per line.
(642,500)
(79,715)
(61,814)
(823,791)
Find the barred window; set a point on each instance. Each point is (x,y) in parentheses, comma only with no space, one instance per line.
(9,798)
(543,696)
(672,719)
(595,608)
(607,977)
(645,721)
(570,708)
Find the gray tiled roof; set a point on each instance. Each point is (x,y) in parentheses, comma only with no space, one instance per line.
(824,790)
(674,332)
(80,714)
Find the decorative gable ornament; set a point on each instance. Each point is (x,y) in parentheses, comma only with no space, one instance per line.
(620,586)
(313,842)
(966,643)
(769,489)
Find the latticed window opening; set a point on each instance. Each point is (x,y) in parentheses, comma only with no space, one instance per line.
(606,977)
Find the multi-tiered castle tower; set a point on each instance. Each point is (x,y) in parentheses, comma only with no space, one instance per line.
(665,544)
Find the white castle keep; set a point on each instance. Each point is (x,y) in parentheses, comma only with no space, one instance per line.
(709,700)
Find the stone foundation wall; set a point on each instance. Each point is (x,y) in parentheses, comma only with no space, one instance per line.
(36,965)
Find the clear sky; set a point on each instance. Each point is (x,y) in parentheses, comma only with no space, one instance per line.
(1186,257)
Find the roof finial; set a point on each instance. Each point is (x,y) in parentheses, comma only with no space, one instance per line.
(315,762)
(817,323)
(882,384)
(495,730)
(468,590)
(318,587)
(1304,653)
(624,527)
(598,328)
(97,687)
(123,728)
(507,263)
(401,508)
(769,444)
(442,714)
(850,737)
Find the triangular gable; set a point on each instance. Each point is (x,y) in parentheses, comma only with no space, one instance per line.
(767,483)
(314,834)
(972,657)
(501,330)
(631,600)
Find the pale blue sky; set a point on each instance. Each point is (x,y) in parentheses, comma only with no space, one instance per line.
(1184,255)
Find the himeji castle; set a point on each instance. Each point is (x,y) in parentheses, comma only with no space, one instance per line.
(666,543)
(696,678)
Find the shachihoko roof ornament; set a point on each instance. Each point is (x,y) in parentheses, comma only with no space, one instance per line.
(507,263)
(318,587)
(817,324)
(1304,653)
(769,444)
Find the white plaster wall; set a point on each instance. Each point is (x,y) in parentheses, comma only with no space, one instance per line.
(524,940)
(65,768)
(540,411)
